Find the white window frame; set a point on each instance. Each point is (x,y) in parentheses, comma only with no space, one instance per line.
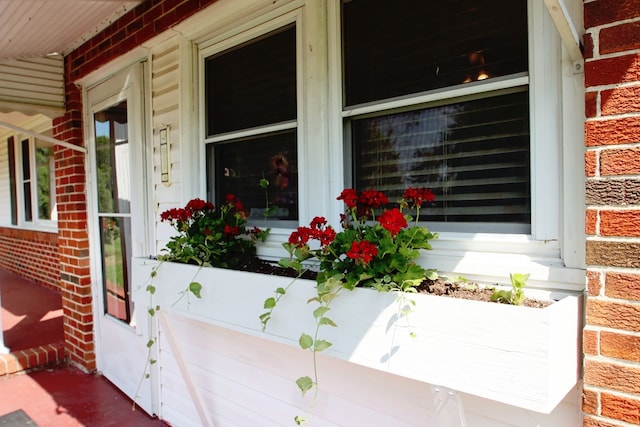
(553,253)
(35,222)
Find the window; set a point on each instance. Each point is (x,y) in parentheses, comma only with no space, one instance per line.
(251,129)
(418,112)
(31,181)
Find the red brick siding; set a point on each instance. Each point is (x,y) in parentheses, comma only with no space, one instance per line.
(31,254)
(611,342)
(73,239)
(132,29)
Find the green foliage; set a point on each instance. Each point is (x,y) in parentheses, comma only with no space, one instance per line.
(515,296)
(207,236)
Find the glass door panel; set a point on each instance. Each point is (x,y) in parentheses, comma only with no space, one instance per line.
(114,207)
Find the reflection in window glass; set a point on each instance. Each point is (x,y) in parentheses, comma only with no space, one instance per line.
(473,155)
(112,159)
(243,163)
(114,266)
(45,177)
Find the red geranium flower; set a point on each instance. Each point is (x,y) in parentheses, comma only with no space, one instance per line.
(363,252)
(393,221)
(231,230)
(372,199)
(349,197)
(417,196)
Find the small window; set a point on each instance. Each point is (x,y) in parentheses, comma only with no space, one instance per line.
(471,148)
(251,111)
(31,182)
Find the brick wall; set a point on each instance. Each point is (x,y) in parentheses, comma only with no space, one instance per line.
(73,239)
(31,254)
(612,167)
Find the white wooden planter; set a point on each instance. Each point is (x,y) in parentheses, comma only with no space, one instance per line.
(526,357)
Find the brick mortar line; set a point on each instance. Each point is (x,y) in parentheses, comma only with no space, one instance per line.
(598,57)
(612,421)
(613,239)
(612,116)
(599,389)
(623,270)
(597,328)
(612,361)
(613,24)
(616,300)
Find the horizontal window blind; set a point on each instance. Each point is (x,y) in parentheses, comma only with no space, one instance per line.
(474,156)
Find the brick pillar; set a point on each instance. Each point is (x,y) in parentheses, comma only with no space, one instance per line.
(73,239)
(612,165)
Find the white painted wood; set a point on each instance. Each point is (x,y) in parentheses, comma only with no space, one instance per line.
(121,350)
(5,194)
(566,28)
(184,370)
(521,356)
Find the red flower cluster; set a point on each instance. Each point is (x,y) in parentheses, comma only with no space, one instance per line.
(231,230)
(362,252)
(365,203)
(175,214)
(417,196)
(393,221)
(199,205)
(317,230)
(236,203)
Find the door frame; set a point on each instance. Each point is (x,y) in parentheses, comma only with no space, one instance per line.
(132,83)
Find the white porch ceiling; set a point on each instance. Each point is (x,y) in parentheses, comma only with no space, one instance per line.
(36,28)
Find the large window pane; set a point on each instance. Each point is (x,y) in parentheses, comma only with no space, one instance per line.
(253,84)
(474,156)
(395,48)
(241,164)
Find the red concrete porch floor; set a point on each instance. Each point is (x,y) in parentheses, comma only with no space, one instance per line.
(37,381)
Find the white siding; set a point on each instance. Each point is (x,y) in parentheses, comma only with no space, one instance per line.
(5,205)
(165,97)
(33,85)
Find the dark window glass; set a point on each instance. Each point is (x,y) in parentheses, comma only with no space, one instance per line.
(474,156)
(395,48)
(12,180)
(253,84)
(241,164)
(26,181)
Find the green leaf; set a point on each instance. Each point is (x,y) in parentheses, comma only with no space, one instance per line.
(150,343)
(304,384)
(264,183)
(280,291)
(151,289)
(320,311)
(305,341)
(327,321)
(300,420)
(154,273)
(195,289)
(152,361)
(322,345)
(269,303)
(151,312)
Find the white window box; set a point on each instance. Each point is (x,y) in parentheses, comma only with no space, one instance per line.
(526,357)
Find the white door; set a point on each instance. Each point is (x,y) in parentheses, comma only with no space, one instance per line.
(117,181)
